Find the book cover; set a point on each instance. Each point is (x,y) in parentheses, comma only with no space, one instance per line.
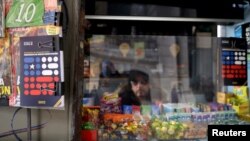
(41,71)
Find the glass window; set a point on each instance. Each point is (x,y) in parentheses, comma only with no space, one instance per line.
(156,80)
(177,68)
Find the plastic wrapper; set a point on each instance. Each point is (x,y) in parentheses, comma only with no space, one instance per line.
(127,109)
(110,103)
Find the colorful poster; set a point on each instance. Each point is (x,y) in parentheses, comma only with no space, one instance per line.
(25,13)
(5,71)
(41,66)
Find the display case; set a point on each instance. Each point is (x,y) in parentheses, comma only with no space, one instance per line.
(152,76)
(183,92)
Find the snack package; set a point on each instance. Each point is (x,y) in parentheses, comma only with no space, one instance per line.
(146,110)
(127,109)
(136,110)
(110,103)
(155,110)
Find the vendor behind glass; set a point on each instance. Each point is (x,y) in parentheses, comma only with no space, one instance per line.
(137,90)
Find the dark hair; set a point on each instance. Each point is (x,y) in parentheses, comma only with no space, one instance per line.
(137,75)
(127,94)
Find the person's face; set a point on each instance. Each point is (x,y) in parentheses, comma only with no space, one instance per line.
(140,88)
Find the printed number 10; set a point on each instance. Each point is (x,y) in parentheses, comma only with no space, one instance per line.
(27,19)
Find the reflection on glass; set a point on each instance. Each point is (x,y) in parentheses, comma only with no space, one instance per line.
(157,87)
(179,70)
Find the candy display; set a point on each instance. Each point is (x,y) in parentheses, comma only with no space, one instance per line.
(172,121)
(123,127)
(165,130)
(195,130)
(90,116)
(90,123)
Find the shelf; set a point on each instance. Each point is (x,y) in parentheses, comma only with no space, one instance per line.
(97,79)
(173,19)
(122,59)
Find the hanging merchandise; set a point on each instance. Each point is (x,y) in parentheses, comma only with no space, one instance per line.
(51,5)
(41,68)
(52,14)
(25,13)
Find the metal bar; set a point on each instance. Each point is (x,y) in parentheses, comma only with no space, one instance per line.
(28,124)
(148,18)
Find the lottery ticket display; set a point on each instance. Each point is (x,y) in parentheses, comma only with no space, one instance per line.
(41,64)
(234,61)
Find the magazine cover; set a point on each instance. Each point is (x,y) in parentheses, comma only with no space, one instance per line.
(41,65)
(15,34)
(25,13)
(5,71)
(32,13)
